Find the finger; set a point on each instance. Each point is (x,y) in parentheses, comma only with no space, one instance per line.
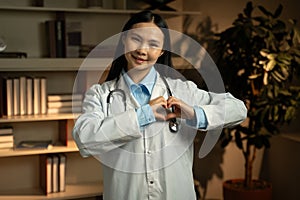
(160,101)
(173,102)
(170,116)
(160,117)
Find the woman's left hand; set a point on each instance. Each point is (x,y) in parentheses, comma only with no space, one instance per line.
(180,109)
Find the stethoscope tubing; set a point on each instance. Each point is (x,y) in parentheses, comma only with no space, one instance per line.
(173,125)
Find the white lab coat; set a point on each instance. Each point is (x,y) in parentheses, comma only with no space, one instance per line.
(149,163)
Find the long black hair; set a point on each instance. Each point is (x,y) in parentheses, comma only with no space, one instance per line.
(120,62)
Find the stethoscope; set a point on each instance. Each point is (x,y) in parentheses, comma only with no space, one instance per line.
(173,124)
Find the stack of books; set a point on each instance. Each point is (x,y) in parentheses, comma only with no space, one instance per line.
(6,138)
(64,103)
(23,96)
(53,173)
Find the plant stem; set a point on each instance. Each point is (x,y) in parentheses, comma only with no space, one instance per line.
(249,155)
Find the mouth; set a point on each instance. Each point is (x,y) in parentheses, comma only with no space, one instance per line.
(138,60)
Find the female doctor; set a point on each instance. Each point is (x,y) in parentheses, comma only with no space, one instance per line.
(141,124)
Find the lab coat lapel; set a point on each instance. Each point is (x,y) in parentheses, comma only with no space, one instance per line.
(159,88)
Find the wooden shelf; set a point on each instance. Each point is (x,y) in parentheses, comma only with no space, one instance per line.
(92,10)
(53,64)
(25,152)
(32,118)
(67,64)
(72,191)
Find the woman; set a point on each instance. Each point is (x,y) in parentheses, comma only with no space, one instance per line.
(141,124)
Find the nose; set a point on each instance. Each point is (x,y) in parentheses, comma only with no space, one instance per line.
(142,50)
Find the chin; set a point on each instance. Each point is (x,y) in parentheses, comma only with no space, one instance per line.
(140,67)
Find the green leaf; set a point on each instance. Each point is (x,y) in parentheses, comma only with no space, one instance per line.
(265,11)
(279,27)
(258,142)
(270,65)
(278,75)
(238,140)
(275,113)
(296,35)
(284,92)
(225,141)
(278,11)
(261,20)
(248,10)
(290,112)
(266,142)
(264,52)
(244,130)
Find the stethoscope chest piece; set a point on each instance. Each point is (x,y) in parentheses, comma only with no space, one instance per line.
(173,126)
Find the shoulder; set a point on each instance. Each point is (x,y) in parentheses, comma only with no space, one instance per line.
(102,88)
(181,84)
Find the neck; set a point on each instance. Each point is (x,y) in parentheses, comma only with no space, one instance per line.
(137,75)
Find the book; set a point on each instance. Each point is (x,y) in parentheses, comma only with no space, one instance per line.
(56,38)
(60,104)
(9,97)
(55,175)
(46,173)
(62,172)
(43,93)
(73,39)
(64,97)
(29,96)
(23,104)
(6,145)
(6,130)
(60,38)
(76,109)
(31,144)
(16,96)
(36,96)
(6,95)
(51,38)
(13,55)
(6,138)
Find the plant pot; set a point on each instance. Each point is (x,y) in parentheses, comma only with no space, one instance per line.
(234,190)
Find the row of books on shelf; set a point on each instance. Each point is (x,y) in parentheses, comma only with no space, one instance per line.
(23,95)
(28,96)
(53,173)
(64,40)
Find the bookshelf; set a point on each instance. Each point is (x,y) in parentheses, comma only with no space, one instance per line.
(20,168)
(23,32)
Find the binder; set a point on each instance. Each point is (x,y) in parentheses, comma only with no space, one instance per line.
(46,173)
(55,174)
(62,172)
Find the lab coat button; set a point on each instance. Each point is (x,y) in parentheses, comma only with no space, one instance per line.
(151,182)
(148,152)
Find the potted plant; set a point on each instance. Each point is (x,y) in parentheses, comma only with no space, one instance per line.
(258,57)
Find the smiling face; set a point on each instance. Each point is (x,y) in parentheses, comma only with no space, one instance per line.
(143,46)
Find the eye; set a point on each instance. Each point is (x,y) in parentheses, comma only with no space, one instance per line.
(136,39)
(154,45)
